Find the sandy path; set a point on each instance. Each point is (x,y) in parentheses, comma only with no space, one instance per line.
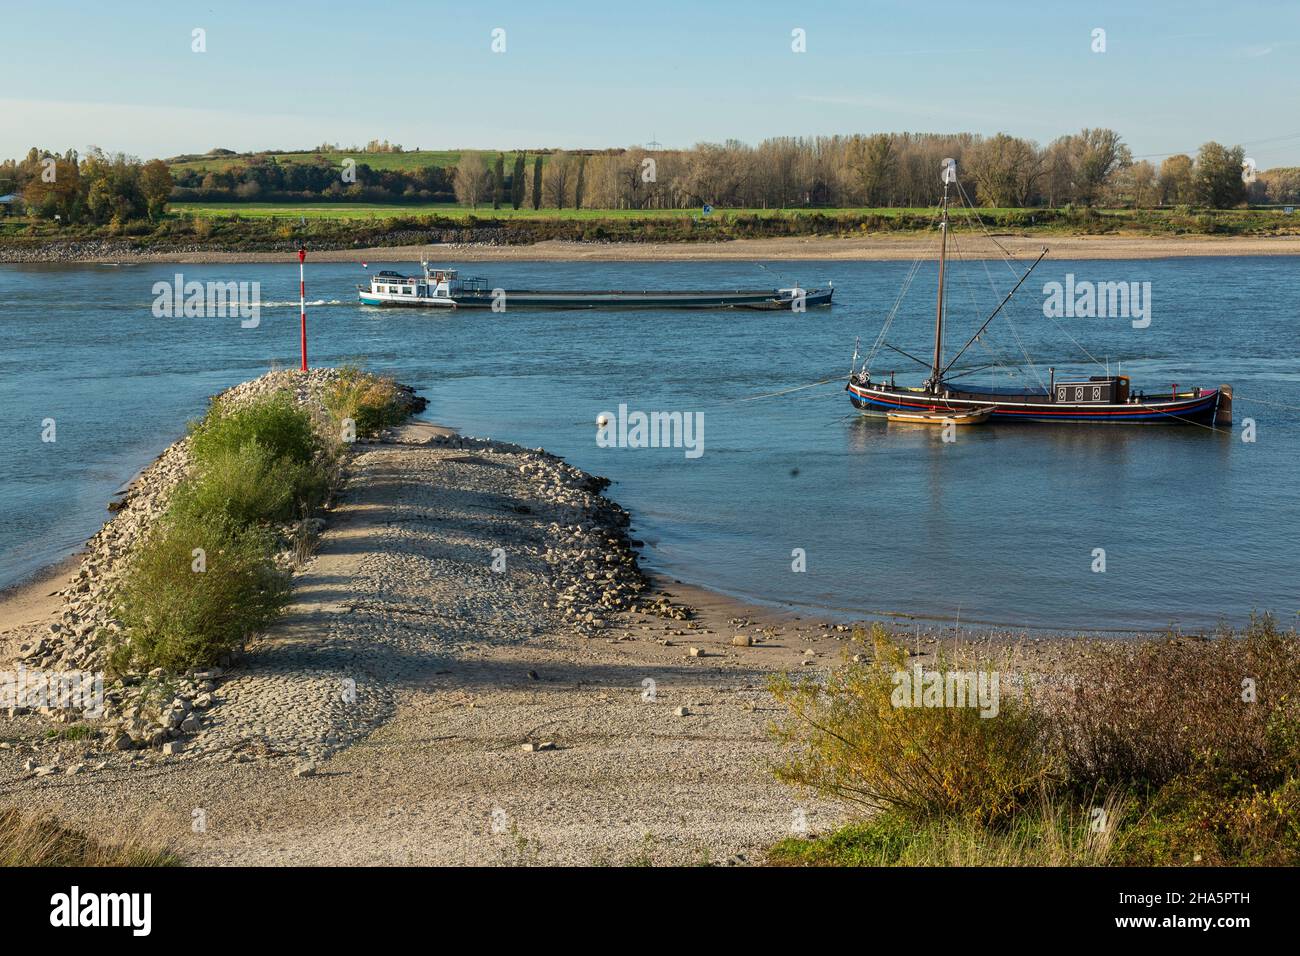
(455,668)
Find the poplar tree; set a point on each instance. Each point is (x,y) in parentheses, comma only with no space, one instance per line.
(517,181)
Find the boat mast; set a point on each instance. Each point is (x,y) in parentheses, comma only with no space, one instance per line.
(949,169)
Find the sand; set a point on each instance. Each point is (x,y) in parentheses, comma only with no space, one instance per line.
(869,248)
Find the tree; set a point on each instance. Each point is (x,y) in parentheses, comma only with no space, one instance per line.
(156,184)
(1176,180)
(1098,153)
(472,178)
(1217,182)
(499,181)
(1005,170)
(873,161)
(517,181)
(537,182)
(556,178)
(578,184)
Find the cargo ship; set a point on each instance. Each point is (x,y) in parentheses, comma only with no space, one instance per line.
(446,289)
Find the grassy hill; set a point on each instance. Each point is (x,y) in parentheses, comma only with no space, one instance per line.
(414,159)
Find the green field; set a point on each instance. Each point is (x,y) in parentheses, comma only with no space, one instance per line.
(415,159)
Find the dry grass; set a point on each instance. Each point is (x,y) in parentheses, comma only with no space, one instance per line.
(1148,713)
(29,839)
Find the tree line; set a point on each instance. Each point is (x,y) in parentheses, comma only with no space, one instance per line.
(262,178)
(1093,167)
(98,188)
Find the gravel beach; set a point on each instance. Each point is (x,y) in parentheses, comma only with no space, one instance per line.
(474,670)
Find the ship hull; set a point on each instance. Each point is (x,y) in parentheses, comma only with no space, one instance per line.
(1198,408)
(764,300)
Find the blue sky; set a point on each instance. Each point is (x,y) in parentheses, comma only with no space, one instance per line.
(588,74)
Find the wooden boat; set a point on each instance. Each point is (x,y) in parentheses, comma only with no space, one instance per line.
(444,288)
(969,416)
(1109,399)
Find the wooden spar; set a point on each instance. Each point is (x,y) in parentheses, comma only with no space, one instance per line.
(938,318)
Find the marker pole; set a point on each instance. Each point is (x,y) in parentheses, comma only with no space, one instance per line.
(302,304)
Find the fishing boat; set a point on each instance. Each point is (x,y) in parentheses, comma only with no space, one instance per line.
(446,289)
(1106,398)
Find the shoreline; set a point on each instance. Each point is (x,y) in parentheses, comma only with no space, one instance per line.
(610,715)
(877,248)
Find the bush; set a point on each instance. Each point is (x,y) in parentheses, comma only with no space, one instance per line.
(372,402)
(249,485)
(922,762)
(178,617)
(275,421)
(1193,746)
(1143,715)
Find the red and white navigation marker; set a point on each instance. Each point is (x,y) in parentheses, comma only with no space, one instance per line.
(302,303)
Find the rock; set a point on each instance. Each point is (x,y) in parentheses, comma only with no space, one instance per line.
(31,649)
(695,652)
(742,640)
(75,769)
(122,742)
(172,747)
(531,747)
(191,724)
(307,769)
(46,771)
(682,711)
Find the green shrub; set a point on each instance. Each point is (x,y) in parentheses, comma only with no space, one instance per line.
(275,421)
(177,617)
(249,485)
(854,745)
(372,402)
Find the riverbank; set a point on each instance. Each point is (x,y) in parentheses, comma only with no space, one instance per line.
(473,670)
(880,247)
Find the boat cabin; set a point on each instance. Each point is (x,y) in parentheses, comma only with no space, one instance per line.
(1099,389)
(446,284)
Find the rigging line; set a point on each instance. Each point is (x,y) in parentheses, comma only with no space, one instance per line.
(975,308)
(1095,361)
(784,391)
(1060,328)
(898,301)
(908,354)
(997,311)
(750,398)
(1246,398)
(893,312)
(969,207)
